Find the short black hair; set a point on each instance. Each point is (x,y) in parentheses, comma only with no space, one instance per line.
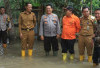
(97,9)
(26,4)
(2,7)
(70,8)
(49,5)
(85,8)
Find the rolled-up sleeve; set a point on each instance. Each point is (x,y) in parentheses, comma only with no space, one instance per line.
(34,20)
(41,27)
(10,25)
(78,27)
(9,22)
(20,21)
(95,25)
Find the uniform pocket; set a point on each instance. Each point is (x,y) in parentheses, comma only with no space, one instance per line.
(45,22)
(54,20)
(31,18)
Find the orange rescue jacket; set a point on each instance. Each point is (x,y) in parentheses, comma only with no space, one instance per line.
(71,25)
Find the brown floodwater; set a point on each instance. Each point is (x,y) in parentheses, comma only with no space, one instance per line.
(13,58)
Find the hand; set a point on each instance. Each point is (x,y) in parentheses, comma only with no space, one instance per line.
(42,37)
(21,35)
(8,29)
(77,34)
(93,35)
(58,36)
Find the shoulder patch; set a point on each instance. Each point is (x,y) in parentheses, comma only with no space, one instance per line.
(45,17)
(54,15)
(64,17)
(92,17)
(21,12)
(33,13)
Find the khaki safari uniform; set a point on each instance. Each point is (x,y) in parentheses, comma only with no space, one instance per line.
(86,35)
(27,23)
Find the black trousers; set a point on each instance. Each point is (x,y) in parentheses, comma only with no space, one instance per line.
(50,42)
(3,37)
(67,45)
(96,54)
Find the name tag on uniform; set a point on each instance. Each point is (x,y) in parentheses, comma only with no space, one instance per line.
(4,19)
(45,21)
(88,27)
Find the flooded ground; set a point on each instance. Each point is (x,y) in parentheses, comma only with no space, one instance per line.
(13,58)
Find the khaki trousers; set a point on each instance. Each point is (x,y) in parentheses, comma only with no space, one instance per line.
(85,41)
(27,39)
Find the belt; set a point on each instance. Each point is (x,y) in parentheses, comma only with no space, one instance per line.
(97,45)
(85,35)
(27,29)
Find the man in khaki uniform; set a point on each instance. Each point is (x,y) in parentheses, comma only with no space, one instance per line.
(86,34)
(27,22)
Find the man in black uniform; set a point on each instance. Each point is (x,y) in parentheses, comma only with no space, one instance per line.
(96,53)
(4,21)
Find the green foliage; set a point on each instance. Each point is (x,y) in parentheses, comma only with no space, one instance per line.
(1,3)
(95,4)
(57,4)
(35,3)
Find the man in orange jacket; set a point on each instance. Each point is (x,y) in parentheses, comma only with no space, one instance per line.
(71,26)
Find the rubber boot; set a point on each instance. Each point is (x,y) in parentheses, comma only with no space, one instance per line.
(94,64)
(64,56)
(23,53)
(81,57)
(72,57)
(55,53)
(4,45)
(47,53)
(89,58)
(30,52)
(5,48)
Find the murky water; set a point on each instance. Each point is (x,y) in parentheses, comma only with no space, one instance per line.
(39,60)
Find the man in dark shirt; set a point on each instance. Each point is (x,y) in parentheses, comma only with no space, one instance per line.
(96,53)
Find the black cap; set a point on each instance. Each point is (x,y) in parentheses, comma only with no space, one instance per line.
(69,8)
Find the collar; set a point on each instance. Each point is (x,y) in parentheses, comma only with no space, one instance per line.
(49,14)
(2,14)
(89,17)
(98,21)
(70,16)
(26,12)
